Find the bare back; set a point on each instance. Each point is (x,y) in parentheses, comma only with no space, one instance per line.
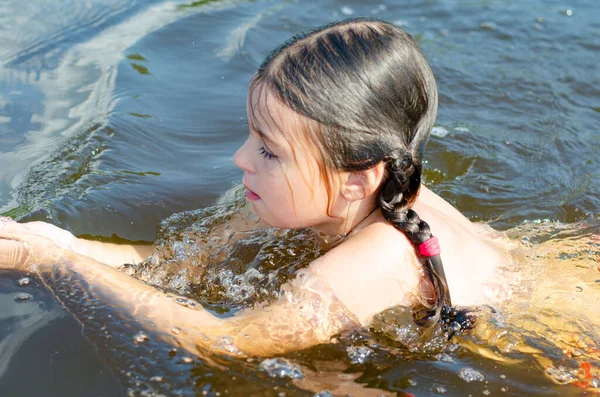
(473,254)
(377,268)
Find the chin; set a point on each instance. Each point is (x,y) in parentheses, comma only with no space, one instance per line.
(278,223)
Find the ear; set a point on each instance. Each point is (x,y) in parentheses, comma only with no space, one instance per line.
(362,184)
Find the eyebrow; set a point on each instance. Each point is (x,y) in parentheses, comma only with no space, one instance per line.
(263,135)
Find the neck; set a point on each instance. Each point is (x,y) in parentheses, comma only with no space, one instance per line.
(356,216)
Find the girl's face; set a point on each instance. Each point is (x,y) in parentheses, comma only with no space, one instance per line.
(281,173)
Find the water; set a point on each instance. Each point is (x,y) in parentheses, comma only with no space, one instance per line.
(115,116)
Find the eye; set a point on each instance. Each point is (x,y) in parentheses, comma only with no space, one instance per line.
(266,154)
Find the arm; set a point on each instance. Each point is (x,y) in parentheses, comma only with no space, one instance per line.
(308,313)
(114,255)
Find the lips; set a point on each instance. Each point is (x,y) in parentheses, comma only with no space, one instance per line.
(251,195)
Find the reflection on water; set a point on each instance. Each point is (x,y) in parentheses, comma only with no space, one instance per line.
(113,116)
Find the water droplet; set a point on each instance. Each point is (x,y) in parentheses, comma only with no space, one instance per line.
(190,304)
(568,12)
(140,337)
(175,330)
(440,389)
(187,360)
(156,378)
(324,393)
(23,297)
(24,282)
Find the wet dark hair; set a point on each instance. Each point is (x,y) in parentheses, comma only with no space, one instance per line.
(373,97)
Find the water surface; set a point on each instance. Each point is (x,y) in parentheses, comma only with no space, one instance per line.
(114,116)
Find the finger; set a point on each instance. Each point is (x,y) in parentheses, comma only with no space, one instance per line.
(13,254)
(14,231)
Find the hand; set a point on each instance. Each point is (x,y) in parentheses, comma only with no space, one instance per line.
(62,238)
(24,244)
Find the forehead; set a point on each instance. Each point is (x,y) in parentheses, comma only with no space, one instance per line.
(268,115)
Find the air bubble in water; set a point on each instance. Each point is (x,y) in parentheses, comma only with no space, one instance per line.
(359,354)
(23,297)
(25,281)
(280,368)
(140,337)
(226,343)
(471,375)
(561,375)
(445,357)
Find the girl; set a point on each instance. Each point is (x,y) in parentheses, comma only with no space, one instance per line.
(339,118)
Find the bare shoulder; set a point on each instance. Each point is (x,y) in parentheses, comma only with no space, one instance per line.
(472,253)
(373,270)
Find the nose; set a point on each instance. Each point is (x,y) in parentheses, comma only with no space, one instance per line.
(242,158)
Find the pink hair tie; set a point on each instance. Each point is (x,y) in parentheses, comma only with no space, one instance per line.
(430,247)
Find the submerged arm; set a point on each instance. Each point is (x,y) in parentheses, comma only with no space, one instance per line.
(113,255)
(308,312)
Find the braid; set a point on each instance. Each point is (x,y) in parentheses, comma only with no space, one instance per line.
(395,199)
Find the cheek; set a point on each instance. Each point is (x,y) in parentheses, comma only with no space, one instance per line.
(309,192)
